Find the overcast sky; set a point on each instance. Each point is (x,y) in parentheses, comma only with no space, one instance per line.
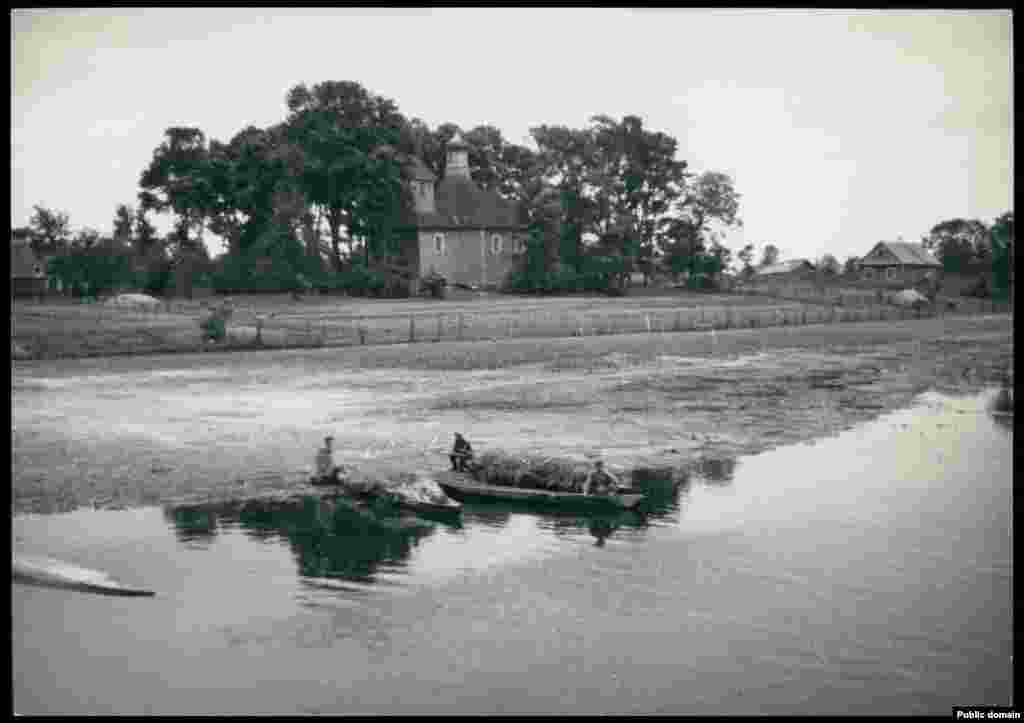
(840,129)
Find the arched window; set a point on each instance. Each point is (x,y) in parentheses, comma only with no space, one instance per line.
(869,273)
(439,243)
(496,243)
(520,245)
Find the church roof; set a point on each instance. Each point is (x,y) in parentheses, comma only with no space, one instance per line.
(460,203)
(457,142)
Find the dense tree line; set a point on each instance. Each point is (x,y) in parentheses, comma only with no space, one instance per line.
(329,179)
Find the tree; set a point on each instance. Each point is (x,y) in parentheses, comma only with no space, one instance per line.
(769,255)
(179,179)
(145,237)
(746,257)
(721,255)
(635,179)
(851,264)
(124,224)
(565,158)
(709,202)
(829,264)
(1002,253)
(86,238)
(51,230)
(254,184)
(955,242)
(347,138)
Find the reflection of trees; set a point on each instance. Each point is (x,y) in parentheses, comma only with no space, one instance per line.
(192,525)
(329,537)
(490,514)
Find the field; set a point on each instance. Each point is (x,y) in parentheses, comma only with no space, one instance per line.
(113,431)
(57,329)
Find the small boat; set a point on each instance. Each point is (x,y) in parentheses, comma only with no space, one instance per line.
(48,572)
(450,507)
(463,486)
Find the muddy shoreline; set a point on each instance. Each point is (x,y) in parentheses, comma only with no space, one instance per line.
(127,432)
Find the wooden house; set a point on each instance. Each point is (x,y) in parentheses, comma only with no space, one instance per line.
(898,262)
(28,271)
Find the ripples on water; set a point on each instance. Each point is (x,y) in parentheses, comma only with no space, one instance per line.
(865,573)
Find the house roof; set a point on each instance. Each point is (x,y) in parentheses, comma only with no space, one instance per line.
(900,252)
(460,203)
(24,261)
(785,267)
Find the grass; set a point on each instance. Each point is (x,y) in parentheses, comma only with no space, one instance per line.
(59,329)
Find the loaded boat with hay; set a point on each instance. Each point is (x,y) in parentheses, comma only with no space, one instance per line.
(549,483)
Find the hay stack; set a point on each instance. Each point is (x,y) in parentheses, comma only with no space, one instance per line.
(500,468)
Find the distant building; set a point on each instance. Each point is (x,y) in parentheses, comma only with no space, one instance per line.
(898,262)
(794,267)
(28,270)
(468,235)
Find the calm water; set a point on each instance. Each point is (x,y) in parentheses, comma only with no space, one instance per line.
(866,573)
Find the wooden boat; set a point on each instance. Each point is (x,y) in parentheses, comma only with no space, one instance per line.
(48,572)
(423,507)
(462,486)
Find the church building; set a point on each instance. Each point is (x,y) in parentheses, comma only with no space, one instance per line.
(462,232)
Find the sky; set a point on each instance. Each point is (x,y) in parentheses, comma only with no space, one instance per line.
(840,129)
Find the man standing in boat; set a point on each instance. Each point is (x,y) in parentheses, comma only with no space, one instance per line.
(462,454)
(600,481)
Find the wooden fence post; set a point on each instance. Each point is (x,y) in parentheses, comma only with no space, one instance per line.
(438,337)
(412,329)
(647,318)
(461,322)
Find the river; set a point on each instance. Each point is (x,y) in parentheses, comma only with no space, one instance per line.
(867,572)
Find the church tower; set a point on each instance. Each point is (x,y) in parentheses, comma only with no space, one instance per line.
(457,163)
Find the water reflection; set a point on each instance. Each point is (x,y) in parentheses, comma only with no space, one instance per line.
(329,538)
(356,540)
(194,526)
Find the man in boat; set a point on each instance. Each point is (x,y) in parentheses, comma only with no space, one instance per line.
(327,471)
(600,481)
(462,454)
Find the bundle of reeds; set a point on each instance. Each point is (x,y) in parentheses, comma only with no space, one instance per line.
(496,467)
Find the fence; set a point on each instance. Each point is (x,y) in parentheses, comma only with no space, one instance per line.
(175,326)
(492,326)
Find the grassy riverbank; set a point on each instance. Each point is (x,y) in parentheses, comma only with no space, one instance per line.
(136,430)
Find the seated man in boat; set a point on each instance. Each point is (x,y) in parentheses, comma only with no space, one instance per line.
(462,454)
(327,471)
(600,481)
